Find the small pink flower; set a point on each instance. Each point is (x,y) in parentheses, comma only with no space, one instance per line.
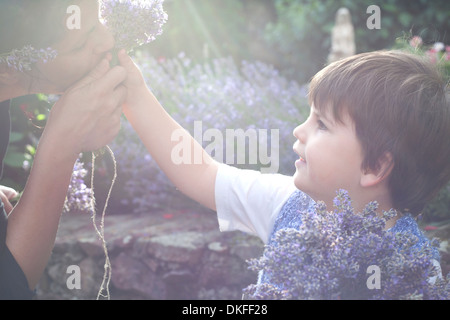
(415,42)
(168,216)
(432,55)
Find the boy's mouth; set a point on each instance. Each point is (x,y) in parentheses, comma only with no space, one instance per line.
(301,159)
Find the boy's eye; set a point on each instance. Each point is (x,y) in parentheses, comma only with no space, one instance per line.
(321,125)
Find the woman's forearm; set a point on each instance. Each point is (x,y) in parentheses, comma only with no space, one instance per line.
(33,223)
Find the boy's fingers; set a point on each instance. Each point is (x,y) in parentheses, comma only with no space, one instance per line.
(115,101)
(112,79)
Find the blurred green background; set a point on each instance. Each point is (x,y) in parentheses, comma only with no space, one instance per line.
(292,35)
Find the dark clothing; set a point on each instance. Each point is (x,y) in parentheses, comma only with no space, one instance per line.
(13,283)
(5,127)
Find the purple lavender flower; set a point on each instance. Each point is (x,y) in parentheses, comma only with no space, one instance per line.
(133,22)
(79,196)
(23,59)
(328,258)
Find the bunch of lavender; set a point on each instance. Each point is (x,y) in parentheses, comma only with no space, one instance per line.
(79,196)
(23,59)
(133,22)
(328,258)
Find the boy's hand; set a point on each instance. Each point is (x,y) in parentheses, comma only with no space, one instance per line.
(87,116)
(135,82)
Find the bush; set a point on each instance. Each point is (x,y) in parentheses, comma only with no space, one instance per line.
(302,32)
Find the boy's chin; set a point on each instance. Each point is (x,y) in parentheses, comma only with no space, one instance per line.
(298,181)
(301,185)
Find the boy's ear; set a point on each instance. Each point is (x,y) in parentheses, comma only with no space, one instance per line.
(371,177)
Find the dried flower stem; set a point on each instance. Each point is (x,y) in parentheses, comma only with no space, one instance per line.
(101,229)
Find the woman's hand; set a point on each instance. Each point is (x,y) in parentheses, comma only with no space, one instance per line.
(6,195)
(87,116)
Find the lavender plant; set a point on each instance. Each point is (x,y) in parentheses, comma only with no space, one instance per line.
(23,59)
(328,258)
(133,22)
(79,196)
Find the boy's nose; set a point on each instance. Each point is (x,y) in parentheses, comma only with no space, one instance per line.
(299,133)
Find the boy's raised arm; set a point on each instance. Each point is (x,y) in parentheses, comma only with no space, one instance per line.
(160,134)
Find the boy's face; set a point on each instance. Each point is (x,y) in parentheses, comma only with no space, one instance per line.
(330,156)
(78,53)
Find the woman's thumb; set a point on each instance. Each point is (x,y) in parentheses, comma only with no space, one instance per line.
(124,59)
(97,73)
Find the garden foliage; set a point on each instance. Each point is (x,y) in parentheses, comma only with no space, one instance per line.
(301,33)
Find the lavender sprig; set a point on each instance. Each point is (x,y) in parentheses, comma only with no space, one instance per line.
(133,22)
(79,196)
(23,59)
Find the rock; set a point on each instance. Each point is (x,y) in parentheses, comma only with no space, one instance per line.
(185,257)
(217,247)
(123,243)
(90,283)
(247,251)
(132,275)
(186,247)
(178,276)
(91,246)
(56,272)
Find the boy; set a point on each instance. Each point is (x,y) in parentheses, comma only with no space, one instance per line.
(379,128)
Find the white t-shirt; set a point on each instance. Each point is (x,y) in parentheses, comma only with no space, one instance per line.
(250,201)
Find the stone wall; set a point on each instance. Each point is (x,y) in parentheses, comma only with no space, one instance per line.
(180,255)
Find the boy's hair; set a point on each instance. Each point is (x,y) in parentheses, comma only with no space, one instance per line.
(399,106)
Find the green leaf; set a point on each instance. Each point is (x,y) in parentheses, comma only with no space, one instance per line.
(42,97)
(405,19)
(31,150)
(15,159)
(41,117)
(16,136)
